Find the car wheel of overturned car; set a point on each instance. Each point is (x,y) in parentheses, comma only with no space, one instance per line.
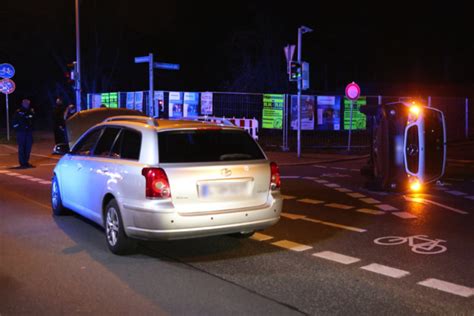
(56,202)
(117,241)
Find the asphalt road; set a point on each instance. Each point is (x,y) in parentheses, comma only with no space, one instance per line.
(320,258)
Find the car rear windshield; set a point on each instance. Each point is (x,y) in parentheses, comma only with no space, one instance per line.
(434,144)
(207,145)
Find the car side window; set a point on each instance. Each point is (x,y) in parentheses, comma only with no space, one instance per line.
(87,143)
(104,145)
(128,145)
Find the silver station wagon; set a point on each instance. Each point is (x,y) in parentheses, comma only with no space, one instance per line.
(142,178)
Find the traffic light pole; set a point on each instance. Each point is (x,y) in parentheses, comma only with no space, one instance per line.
(151,93)
(298,146)
(78,61)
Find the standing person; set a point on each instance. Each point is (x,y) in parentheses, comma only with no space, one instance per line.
(23,125)
(58,121)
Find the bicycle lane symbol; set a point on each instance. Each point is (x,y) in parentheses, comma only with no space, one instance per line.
(420,244)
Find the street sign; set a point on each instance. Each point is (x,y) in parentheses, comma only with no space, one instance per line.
(289,52)
(352,91)
(6,71)
(7,86)
(166,66)
(142,59)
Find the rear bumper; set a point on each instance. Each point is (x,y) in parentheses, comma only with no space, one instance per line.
(150,224)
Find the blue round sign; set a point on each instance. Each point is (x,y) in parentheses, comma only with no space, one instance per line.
(6,71)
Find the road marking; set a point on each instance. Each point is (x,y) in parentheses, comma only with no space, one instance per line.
(456,193)
(3,171)
(13,174)
(337,257)
(343,190)
(404,215)
(48,164)
(332,185)
(261,237)
(356,195)
(25,177)
(448,287)
(293,246)
(35,179)
(426,201)
(310,178)
(287,197)
(386,207)
(338,168)
(289,177)
(357,170)
(321,181)
(370,201)
(351,228)
(292,216)
(310,201)
(319,166)
(470,197)
(440,188)
(44,182)
(385,270)
(370,211)
(339,206)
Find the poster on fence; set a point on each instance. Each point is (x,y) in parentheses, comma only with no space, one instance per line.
(328,113)
(206,103)
(272,115)
(130,100)
(190,105)
(158,103)
(358,118)
(96,100)
(307,112)
(175,105)
(139,101)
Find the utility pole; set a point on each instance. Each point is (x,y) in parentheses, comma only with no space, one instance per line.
(78,61)
(151,96)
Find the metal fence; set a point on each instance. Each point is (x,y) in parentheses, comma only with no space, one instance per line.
(459,114)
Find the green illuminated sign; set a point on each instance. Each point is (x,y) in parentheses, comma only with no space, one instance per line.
(110,99)
(272,115)
(358,118)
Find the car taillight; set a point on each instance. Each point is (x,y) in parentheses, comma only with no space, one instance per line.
(275,181)
(157,184)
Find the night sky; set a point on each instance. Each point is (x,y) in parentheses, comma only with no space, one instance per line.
(391,48)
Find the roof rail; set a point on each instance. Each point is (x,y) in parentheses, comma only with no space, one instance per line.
(133,118)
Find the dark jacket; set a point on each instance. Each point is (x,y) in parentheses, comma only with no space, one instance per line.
(23,120)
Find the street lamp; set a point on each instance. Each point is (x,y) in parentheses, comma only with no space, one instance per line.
(301,30)
(78,60)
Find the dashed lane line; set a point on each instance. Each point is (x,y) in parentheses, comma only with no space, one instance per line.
(332,185)
(385,270)
(310,178)
(351,228)
(47,164)
(44,182)
(356,195)
(343,190)
(319,166)
(261,237)
(336,257)
(448,287)
(292,216)
(370,201)
(290,245)
(339,206)
(26,177)
(386,207)
(404,215)
(290,177)
(287,197)
(356,170)
(338,168)
(370,211)
(311,201)
(426,201)
(470,197)
(321,181)
(456,193)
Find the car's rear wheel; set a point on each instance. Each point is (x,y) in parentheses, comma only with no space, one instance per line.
(117,241)
(56,201)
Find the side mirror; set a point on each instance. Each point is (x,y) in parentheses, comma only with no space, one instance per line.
(61,149)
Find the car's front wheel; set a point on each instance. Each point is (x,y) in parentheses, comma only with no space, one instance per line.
(117,241)
(56,201)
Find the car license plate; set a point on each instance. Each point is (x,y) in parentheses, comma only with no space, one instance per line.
(224,189)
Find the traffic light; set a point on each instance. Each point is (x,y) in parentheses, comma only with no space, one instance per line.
(295,71)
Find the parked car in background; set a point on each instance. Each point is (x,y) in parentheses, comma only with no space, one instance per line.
(142,178)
